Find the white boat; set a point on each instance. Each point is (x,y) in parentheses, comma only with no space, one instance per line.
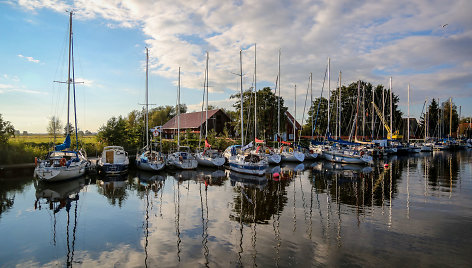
(414,149)
(61,164)
(290,155)
(273,157)
(114,160)
(249,163)
(310,155)
(182,159)
(210,158)
(348,156)
(426,147)
(148,159)
(246,162)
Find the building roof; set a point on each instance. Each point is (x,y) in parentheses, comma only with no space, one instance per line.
(290,119)
(189,120)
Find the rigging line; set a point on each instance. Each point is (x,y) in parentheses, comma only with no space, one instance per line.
(304,107)
(320,99)
(201,116)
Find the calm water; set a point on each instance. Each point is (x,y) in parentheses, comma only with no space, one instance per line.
(416,213)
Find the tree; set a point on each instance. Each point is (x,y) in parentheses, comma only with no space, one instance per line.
(71,129)
(266,113)
(6,130)
(446,125)
(54,126)
(114,132)
(432,116)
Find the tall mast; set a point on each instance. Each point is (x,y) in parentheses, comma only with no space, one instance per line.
(426,123)
(391,108)
(241,74)
(373,113)
(311,103)
(339,106)
(147,104)
(450,117)
(206,115)
(357,106)
(255,95)
(278,105)
(178,114)
(295,116)
(408,123)
(68,72)
(329,93)
(383,109)
(363,112)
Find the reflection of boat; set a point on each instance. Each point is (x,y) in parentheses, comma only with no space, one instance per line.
(293,166)
(352,167)
(184,174)
(114,160)
(148,177)
(60,191)
(239,179)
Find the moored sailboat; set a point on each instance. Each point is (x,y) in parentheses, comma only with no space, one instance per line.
(61,164)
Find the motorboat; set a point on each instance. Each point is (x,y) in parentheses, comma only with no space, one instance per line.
(114,160)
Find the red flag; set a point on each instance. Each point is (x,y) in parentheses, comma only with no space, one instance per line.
(258,147)
(286,143)
(258,140)
(206,143)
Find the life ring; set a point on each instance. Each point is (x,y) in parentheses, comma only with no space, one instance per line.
(362,153)
(35,161)
(267,151)
(62,162)
(290,150)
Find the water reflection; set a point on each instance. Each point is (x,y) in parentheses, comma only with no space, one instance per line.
(58,196)
(315,214)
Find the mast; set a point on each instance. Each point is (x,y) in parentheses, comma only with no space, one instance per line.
(373,113)
(450,117)
(391,108)
(278,105)
(383,109)
(311,103)
(408,123)
(329,92)
(68,72)
(357,106)
(363,112)
(241,69)
(206,116)
(426,123)
(178,114)
(340,102)
(147,104)
(294,117)
(255,95)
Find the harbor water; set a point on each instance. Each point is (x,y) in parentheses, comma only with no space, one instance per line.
(415,212)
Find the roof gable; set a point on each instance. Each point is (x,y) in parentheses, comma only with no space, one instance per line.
(189,120)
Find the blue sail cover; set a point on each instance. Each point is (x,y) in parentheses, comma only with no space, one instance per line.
(64,145)
(342,141)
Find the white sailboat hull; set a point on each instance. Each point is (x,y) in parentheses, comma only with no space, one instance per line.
(237,163)
(293,156)
(209,161)
(60,173)
(347,158)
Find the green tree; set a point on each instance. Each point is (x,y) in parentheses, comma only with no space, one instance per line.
(54,126)
(266,113)
(115,132)
(71,129)
(432,115)
(6,130)
(446,121)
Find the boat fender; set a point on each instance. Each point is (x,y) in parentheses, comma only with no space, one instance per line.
(267,151)
(62,162)
(290,150)
(35,161)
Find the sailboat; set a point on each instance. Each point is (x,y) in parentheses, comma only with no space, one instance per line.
(60,163)
(183,158)
(265,151)
(246,161)
(149,159)
(209,157)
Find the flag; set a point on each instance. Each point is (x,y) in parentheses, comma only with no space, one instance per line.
(286,143)
(258,140)
(206,143)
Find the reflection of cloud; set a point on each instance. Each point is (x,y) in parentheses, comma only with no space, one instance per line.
(30,59)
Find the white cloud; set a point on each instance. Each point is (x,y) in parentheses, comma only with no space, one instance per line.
(366,40)
(30,59)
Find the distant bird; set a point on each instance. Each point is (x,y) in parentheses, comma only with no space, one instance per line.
(444,25)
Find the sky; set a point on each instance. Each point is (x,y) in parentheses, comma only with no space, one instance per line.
(427,44)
